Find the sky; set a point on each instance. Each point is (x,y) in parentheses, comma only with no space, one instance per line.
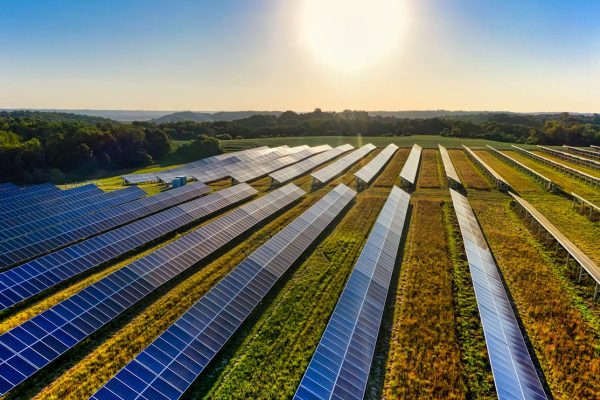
(510,55)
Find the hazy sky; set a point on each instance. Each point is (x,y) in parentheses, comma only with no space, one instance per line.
(519,55)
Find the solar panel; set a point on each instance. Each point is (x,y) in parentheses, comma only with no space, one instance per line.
(32,278)
(366,174)
(62,198)
(166,368)
(571,157)
(29,192)
(7,187)
(36,243)
(548,184)
(514,373)
(408,175)
(501,183)
(46,217)
(293,171)
(34,344)
(334,169)
(592,180)
(451,175)
(258,171)
(589,153)
(339,368)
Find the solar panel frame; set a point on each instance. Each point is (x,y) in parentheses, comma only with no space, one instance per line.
(366,174)
(408,174)
(451,174)
(35,244)
(222,310)
(334,169)
(56,330)
(293,171)
(515,375)
(340,366)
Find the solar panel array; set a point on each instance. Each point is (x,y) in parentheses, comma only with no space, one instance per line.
(32,278)
(592,180)
(514,373)
(293,171)
(500,182)
(451,174)
(7,188)
(589,153)
(340,366)
(36,243)
(28,192)
(408,174)
(181,171)
(572,157)
(46,217)
(249,174)
(329,172)
(166,368)
(34,344)
(548,184)
(15,208)
(369,171)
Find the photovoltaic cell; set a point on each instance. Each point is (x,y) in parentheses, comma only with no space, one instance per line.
(166,368)
(451,175)
(334,169)
(34,344)
(293,171)
(514,373)
(32,278)
(369,171)
(408,174)
(340,366)
(36,243)
(46,217)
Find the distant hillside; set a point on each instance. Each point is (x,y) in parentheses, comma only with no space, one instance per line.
(208,117)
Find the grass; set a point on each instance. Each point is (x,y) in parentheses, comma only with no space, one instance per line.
(563,340)
(424,355)
(470,175)
(429,176)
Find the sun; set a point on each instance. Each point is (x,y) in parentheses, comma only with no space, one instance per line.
(352,34)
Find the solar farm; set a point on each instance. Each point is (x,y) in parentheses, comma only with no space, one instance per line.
(310,272)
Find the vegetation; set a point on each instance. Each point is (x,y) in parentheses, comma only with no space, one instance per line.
(562,338)
(424,354)
(469,174)
(428,171)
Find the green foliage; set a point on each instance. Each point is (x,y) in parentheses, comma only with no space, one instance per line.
(201,147)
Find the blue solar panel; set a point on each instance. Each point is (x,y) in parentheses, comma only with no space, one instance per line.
(167,367)
(32,278)
(46,217)
(514,373)
(340,367)
(34,244)
(37,342)
(28,192)
(63,198)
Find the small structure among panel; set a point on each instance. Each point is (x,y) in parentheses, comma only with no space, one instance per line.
(499,181)
(365,175)
(451,174)
(340,366)
(408,175)
(334,169)
(197,336)
(513,369)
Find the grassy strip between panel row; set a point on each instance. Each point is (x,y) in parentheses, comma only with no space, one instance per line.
(564,342)
(470,176)
(428,170)
(424,354)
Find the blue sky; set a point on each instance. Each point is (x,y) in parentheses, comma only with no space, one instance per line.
(528,55)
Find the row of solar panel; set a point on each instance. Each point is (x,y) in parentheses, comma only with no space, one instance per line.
(501,183)
(46,217)
(37,342)
(293,171)
(408,174)
(27,192)
(334,169)
(36,243)
(340,366)
(588,152)
(32,278)
(451,174)
(166,368)
(514,372)
(369,171)
(572,157)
